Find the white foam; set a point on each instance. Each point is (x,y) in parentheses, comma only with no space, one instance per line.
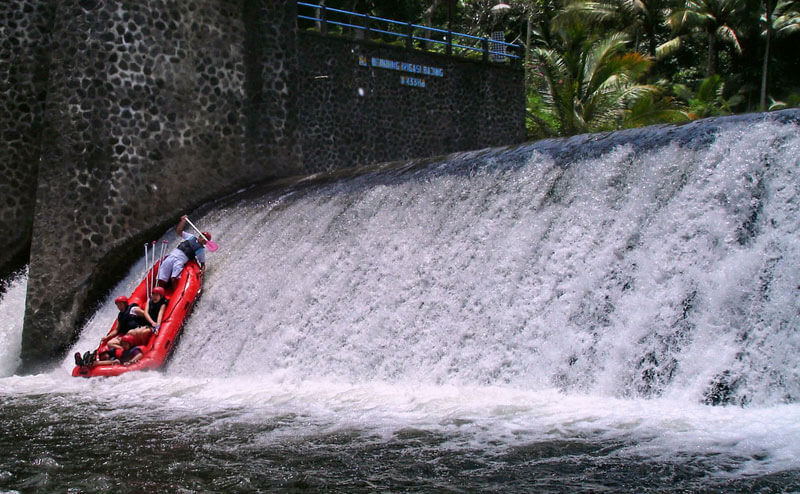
(621,276)
(12,314)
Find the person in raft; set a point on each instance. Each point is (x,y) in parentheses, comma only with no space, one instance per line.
(153,314)
(155,308)
(191,248)
(131,320)
(129,354)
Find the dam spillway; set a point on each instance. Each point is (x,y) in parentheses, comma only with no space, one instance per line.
(621,275)
(505,318)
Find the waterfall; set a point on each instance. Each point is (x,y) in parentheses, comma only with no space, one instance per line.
(639,273)
(636,273)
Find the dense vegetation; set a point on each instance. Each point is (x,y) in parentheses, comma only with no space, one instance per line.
(594,65)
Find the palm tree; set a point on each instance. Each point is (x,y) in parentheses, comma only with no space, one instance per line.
(587,82)
(716,19)
(779,19)
(638,18)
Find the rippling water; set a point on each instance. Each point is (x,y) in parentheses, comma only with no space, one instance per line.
(493,322)
(161,432)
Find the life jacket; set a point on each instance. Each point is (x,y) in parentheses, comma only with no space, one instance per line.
(127,321)
(190,247)
(155,308)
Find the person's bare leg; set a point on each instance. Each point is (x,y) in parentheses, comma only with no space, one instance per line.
(141,334)
(115,342)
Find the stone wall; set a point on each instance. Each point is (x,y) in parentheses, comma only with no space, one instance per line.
(356,115)
(146,117)
(154,107)
(24,44)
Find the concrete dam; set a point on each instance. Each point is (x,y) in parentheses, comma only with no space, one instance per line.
(390,309)
(117,116)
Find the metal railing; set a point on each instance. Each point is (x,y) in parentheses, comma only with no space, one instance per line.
(328,19)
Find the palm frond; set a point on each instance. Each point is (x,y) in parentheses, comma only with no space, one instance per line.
(728,34)
(668,48)
(652,107)
(601,60)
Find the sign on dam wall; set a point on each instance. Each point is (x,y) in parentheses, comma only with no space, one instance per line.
(119,116)
(365,102)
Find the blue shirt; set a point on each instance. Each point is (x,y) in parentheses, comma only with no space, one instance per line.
(200,254)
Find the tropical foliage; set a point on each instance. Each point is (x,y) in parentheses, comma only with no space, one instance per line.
(607,64)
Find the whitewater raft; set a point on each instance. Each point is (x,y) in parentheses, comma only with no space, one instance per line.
(182,298)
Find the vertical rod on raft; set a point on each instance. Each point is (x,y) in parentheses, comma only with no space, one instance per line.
(146,270)
(161,257)
(152,281)
(163,249)
(149,273)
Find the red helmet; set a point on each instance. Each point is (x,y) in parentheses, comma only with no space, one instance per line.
(102,349)
(207,235)
(159,290)
(121,298)
(128,339)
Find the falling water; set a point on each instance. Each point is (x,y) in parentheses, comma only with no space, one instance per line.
(497,320)
(673,273)
(12,310)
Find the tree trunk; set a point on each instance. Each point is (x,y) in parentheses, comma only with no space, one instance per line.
(768,8)
(428,20)
(711,68)
(528,50)
(651,39)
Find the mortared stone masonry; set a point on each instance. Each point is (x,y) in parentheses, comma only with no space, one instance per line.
(119,115)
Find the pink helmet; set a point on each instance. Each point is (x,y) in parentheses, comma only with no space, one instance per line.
(159,290)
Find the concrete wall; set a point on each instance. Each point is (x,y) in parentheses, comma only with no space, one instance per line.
(154,107)
(356,115)
(24,45)
(147,115)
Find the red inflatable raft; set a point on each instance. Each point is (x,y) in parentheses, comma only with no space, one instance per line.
(181,300)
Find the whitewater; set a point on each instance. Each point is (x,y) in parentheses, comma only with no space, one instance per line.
(493,320)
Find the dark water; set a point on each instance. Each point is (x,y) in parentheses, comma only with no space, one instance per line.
(60,443)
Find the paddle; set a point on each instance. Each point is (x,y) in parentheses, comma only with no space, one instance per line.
(212,246)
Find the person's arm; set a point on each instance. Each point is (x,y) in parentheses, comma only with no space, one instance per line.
(161,312)
(111,333)
(181,225)
(146,314)
(157,325)
(138,312)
